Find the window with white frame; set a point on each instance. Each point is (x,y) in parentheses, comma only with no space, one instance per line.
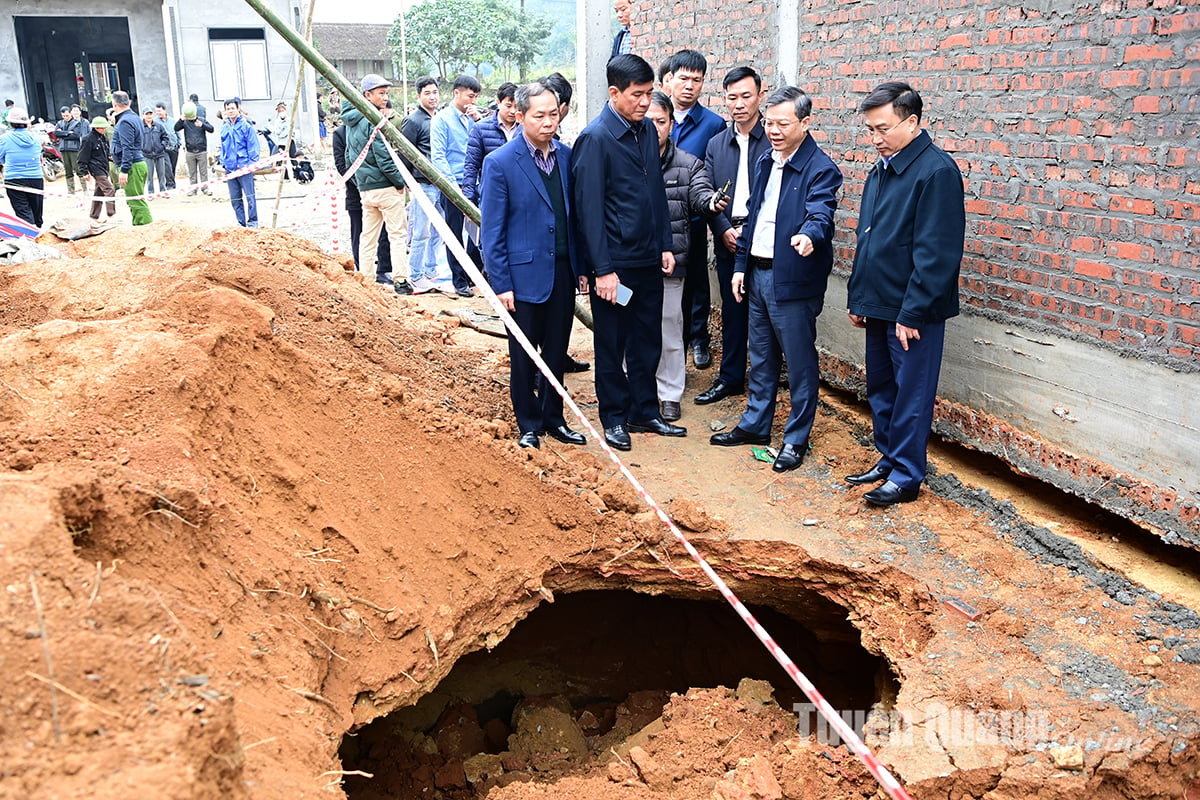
(239,63)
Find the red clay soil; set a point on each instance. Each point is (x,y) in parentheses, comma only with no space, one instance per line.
(250,504)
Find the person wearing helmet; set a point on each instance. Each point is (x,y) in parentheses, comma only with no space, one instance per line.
(380,186)
(194,131)
(93,165)
(21,159)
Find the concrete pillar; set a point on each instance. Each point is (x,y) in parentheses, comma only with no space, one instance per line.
(788,52)
(593,43)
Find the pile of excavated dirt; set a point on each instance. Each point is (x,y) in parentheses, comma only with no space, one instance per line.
(254,511)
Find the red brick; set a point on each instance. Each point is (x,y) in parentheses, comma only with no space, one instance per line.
(1130,251)
(956,40)
(1150,104)
(1178,23)
(1187,334)
(1093,268)
(1123,77)
(1147,52)
(1179,209)
(1162,79)
(1134,204)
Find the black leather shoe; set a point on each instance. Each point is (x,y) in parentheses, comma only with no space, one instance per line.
(875,474)
(565,435)
(618,438)
(576,366)
(657,425)
(790,456)
(738,436)
(718,391)
(701,357)
(890,494)
(529,440)
(671,411)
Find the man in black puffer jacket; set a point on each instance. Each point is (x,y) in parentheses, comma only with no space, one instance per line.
(93,163)
(689,193)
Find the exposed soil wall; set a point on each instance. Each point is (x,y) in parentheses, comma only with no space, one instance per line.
(250,505)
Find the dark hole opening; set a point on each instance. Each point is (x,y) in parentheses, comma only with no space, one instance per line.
(592,669)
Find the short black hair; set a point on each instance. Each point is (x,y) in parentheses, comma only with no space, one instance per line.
(740,74)
(163,106)
(194,97)
(424,81)
(507,91)
(627,69)
(903,99)
(801,102)
(468,82)
(663,101)
(10,102)
(557,83)
(692,60)
(664,69)
(65,110)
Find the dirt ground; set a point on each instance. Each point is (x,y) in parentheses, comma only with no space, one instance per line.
(254,512)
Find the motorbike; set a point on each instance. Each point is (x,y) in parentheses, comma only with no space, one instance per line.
(52,162)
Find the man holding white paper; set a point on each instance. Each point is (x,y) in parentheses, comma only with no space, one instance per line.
(620,206)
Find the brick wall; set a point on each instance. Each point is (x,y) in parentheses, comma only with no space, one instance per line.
(728,33)
(1078,132)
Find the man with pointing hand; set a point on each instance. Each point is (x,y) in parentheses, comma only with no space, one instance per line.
(784,257)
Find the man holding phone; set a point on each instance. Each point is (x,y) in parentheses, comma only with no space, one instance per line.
(620,205)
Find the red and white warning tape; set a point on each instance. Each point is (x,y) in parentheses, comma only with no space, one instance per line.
(835,720)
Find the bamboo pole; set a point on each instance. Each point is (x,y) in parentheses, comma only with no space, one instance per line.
(351,94)
(287,146)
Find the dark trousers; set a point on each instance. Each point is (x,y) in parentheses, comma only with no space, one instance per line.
(734,323)
(104,188)
(173,164)
(901,389)
(631,336)
(697,298)
(780,328)
(383,253)
(70,160)
(548,327)
(26,205)
(455,219)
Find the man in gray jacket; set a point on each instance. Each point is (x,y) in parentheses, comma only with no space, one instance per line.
(154,150)
(70,131)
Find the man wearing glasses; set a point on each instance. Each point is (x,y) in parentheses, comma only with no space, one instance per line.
(904,285)
(784,257)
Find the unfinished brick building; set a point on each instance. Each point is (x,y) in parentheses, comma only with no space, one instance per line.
(1077,357)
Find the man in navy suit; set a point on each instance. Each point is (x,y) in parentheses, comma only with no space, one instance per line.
(904,286)
(784,257)
(528,246)
(625,245)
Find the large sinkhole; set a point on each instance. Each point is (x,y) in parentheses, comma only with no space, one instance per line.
(584,673)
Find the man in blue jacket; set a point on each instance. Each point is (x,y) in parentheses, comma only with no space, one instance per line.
(904,286)
(695,125)
(529,248)
(784,257)
(127,157)
(239,149)
(489,136)
(625,246)
(448,133)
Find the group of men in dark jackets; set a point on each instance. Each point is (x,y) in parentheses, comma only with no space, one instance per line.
(593,218)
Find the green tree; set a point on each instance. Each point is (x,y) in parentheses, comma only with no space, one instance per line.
(520,38)
(449,35)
